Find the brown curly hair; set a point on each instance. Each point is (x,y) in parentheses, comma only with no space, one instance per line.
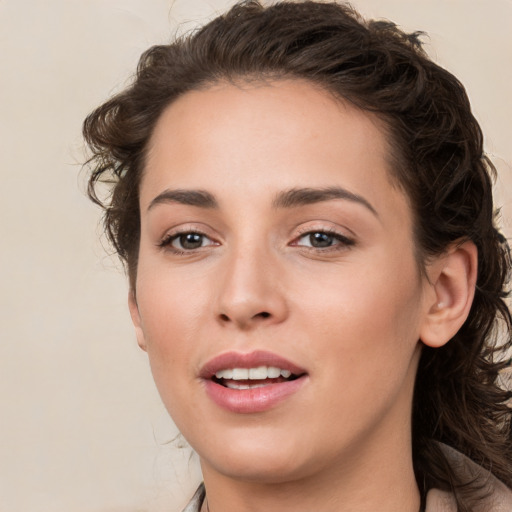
(438,162)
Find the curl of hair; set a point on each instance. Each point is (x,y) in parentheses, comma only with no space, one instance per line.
(436,156)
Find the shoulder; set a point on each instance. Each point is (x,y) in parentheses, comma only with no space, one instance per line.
(496,496)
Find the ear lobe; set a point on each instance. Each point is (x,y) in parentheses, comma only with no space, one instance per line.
(136,320)
(453,280)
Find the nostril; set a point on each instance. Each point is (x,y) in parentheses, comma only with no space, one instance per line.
(227,318)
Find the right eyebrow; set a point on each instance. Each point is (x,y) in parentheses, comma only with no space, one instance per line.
(199,198)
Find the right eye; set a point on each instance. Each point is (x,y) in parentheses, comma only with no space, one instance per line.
(187,241)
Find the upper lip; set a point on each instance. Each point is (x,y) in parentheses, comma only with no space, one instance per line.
(247,360)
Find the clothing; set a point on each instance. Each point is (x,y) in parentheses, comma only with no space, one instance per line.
(499,497)
(437,501)
(195,503)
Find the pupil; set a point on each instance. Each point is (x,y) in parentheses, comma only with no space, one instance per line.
(320,240)
(191,240)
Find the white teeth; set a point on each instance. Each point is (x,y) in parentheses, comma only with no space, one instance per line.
(240,373)
(224,374)
(257,373)
(273,372)
(232,384)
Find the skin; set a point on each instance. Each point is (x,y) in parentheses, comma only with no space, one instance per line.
(351,314)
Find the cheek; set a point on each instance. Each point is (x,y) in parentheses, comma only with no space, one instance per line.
(172,304)
(169,329)
(173,315)
(363,342)
(367,319)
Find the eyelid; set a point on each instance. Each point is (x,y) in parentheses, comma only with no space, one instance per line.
(325,227)
(341,238)
(166,240)
(345,241)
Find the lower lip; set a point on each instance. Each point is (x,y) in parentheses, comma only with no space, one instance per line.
(247,401)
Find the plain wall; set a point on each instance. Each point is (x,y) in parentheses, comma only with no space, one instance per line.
(81,425)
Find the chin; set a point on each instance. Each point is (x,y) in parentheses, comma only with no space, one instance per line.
(259,459)
(265,470)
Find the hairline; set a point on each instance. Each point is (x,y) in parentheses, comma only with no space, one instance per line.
(384,123)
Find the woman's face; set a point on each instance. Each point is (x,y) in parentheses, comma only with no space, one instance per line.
(274,242)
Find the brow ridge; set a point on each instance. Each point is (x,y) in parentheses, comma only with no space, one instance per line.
(296,197)
(291,198)
(199,198)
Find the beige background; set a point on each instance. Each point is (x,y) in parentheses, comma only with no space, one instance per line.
(81,426)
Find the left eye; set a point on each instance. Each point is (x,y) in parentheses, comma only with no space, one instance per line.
(190,241)
(321,240)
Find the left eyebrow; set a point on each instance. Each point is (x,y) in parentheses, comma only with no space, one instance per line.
(303,196)
(199,198)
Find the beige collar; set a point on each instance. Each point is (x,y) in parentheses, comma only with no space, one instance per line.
(497,496)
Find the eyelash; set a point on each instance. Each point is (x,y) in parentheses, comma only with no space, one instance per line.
(166,242)
(344,242)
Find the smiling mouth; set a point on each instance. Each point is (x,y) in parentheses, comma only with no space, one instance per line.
(253,382)
(252,378)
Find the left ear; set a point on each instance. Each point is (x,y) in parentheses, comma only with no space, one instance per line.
(452,278)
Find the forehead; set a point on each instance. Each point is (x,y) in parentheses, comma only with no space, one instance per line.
(262,137)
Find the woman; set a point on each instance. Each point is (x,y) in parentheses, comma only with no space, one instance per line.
(304,208)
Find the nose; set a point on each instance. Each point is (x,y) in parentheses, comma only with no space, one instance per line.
(251,292)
